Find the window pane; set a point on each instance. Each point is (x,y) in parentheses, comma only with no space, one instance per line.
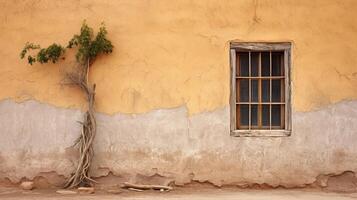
(265,90)
(254,115)
(243,64)
(254,64)
(244,115)
(254,91)
(265,64)
(243,85)
(265,116)
(276,90)
(275,115)
(277,64)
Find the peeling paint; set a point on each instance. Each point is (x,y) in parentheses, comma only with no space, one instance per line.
(343,182)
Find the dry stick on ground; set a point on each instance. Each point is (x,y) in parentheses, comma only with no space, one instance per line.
(145,187)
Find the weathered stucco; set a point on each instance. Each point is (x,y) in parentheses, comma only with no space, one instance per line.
(179,147)
(163,95)
(172,54)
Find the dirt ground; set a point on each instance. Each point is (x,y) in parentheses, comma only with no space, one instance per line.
(181,194)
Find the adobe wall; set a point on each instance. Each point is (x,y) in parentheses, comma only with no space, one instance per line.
(163,95)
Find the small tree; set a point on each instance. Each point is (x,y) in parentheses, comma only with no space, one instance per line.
(88,49)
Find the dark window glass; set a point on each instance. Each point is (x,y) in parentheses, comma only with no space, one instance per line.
(277,64)
(244,64)
(244,115)
(254,64)
(243,85)
(260,92)
(254,115)
(265,90)
(265,116)
(276,90)
(265,64)
(254,91)
(275,115)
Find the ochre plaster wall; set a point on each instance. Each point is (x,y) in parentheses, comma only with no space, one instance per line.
(163,95)
(169,54)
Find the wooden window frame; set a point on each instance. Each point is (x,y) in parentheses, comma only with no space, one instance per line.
(261,46)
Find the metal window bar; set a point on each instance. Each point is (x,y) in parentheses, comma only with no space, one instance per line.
(260,91)
(260,77)
(282,102)
(261,103)
(249,88)
(270,87)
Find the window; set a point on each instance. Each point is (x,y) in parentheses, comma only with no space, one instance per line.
(260,89)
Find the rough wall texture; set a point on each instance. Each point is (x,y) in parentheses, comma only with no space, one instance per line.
(163,95)
(173,54)
(179,147)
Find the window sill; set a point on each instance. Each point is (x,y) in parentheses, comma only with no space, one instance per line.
(260,133)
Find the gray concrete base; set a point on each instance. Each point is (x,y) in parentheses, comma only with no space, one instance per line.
(168,143)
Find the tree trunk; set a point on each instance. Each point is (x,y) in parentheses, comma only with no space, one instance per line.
(81,176)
